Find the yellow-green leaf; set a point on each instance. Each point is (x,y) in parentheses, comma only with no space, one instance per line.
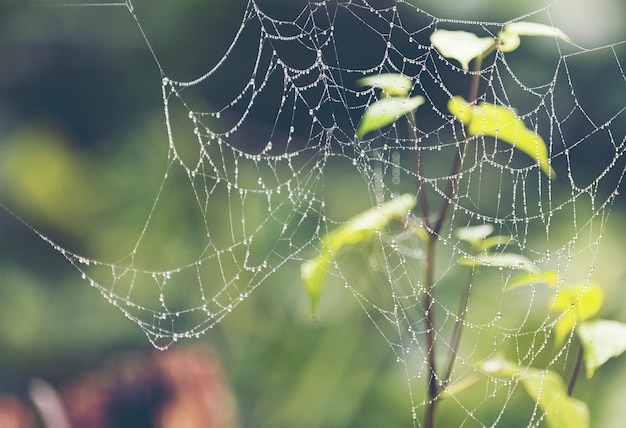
(601,340)
(522,28)
(460,45)
(576,303)
(495,241)
(549,277)
(547,389)
(503,124)
(386,111)
(358,229)
(508,260)
(474,234)
(393,84)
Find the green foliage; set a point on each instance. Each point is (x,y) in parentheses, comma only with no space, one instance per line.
(461,45)
(386,111)
(465,46)
(547,389)
(601,340)
(575,304)
(357,230)
(394,102)
(504,125)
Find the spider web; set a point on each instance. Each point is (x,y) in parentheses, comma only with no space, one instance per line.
(264,195)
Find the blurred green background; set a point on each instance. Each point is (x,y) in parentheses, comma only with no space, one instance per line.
(82,152)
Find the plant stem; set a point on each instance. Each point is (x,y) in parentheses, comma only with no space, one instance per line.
(575,371)
(421,190)
(458,160)
(433,388)
(458,327)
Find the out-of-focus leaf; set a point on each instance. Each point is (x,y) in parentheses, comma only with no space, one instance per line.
(577,303)
(457,387)
(474,234)
(495,241)
(460,45)
(393,84)
(503,124)
(549,277)
(506,260)
(601,340)
(386,111)
(49,179)
(358,229)
(547,389)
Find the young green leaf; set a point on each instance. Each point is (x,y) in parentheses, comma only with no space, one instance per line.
(547,389)
(509,36)
(549,277)
(386,111)
(495,241)
(601,340)
(461,45)
(357,230)
(503,124)
(522,28)
(577,303)
(474,234)
(505,260)
(393,84)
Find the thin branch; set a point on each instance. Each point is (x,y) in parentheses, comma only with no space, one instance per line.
(576,370)
(458,160)
(421,189)
(458,328)
(433,389)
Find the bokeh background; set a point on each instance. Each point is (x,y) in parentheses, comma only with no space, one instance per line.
(83,147)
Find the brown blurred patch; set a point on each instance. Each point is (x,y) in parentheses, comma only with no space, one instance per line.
(14,413)
(177,388)
(180,388)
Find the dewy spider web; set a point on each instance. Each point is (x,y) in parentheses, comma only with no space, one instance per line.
(263,194)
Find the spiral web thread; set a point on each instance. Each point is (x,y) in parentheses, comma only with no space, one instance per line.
(262,193)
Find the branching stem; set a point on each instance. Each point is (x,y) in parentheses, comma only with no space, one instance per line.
(458,328)
(435,230)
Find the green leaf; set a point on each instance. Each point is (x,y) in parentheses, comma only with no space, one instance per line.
(393,84)
(549,277)
(601,340)
(507,260)
(509,36)
(457,387)
(496,241)
(547,388)
(386,111)
(503,124)
(474,234)
(522,28)
(357,230)
(508,41)
(577,303)
(460,45)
